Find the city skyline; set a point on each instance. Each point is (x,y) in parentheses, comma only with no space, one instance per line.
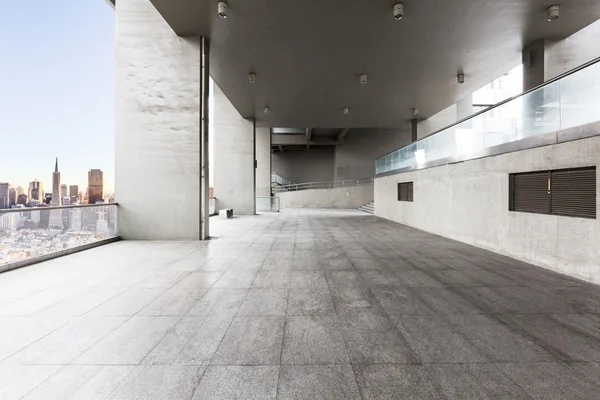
(58,91)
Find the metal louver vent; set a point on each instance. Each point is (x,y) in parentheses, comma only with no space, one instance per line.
(573,192)
(568,192)
(405,191)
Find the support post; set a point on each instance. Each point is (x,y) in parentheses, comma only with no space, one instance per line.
(205,176)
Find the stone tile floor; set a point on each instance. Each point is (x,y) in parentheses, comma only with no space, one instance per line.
(298,305)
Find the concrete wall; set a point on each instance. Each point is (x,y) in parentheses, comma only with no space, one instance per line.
(347,198)
(469,202)
(438,121)
(314,165)
(575,50)
(355,158)
(263,162)
(157,131)
(234,171)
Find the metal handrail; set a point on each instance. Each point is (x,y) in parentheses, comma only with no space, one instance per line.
(30,209)
(548,82)
(323,185)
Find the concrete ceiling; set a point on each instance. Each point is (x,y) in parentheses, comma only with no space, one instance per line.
(308,55)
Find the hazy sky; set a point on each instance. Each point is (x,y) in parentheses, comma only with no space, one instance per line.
(57,67)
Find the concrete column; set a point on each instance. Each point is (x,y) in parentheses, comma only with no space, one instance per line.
(157,133)
(204,142)
(546,59)
(534,64)
(263,161)
(234,172)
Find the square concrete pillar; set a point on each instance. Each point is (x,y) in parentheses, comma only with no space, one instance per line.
(234,172)
(157,136)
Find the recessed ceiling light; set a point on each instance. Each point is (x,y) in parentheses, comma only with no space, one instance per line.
(553,12)
(266,110)
(346,110)
(398,11)
(363,79)
(461,78)
(415,111)
(222,9)
(252,77)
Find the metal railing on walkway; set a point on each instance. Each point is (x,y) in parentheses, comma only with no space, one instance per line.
(278,180)
(322,185)
(33,234)
(523,121)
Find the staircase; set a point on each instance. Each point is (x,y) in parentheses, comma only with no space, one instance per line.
(368,208)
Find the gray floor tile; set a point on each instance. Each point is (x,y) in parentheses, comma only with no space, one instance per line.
(473,381)
(235,279)
(394,382)
(314,340)
(192,341)
(18,380)
(219,302)
(306,302)
(238,383)
(309,382)
(551,381)
(251,341)
(175,301)
(349,299)
(264,302)
(90,382)
(272,280)
(434,340)
(401,300)
(66,343)
(569,342)
(309,280)
(446,301)
(277,264)
(129,343)
(372,338)
(159,382)
(497,341)
(127,303)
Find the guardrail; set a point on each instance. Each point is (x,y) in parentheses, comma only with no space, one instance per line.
(567,101)
(322,185)
(33,234)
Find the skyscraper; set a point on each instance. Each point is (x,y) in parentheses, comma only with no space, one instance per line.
(56,199)
(95,186)
(73,193)
(63,191)
(4,195)
(36,191)
(12,196)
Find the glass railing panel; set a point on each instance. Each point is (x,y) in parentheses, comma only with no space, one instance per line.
(541,111)
(33,232)
(571,101)
(580,97)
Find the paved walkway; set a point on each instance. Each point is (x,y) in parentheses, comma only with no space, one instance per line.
(297,305)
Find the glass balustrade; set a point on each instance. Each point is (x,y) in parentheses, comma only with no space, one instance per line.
(570,101)
(32,232)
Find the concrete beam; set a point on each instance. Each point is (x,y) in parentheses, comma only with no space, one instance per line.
(296,140)
(342,134)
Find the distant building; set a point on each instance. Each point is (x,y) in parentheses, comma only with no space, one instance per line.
(64,191)
(56,198)
(95,186)
(22,199)
(74,193)
(12,196)
(4,195)
(36,191)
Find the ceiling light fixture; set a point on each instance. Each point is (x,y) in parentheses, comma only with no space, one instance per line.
(553,12)
(346,110)
(461,78)
(398,11)
(415,111)
(363,79)
(252,77)
(222,9)
(266,110)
